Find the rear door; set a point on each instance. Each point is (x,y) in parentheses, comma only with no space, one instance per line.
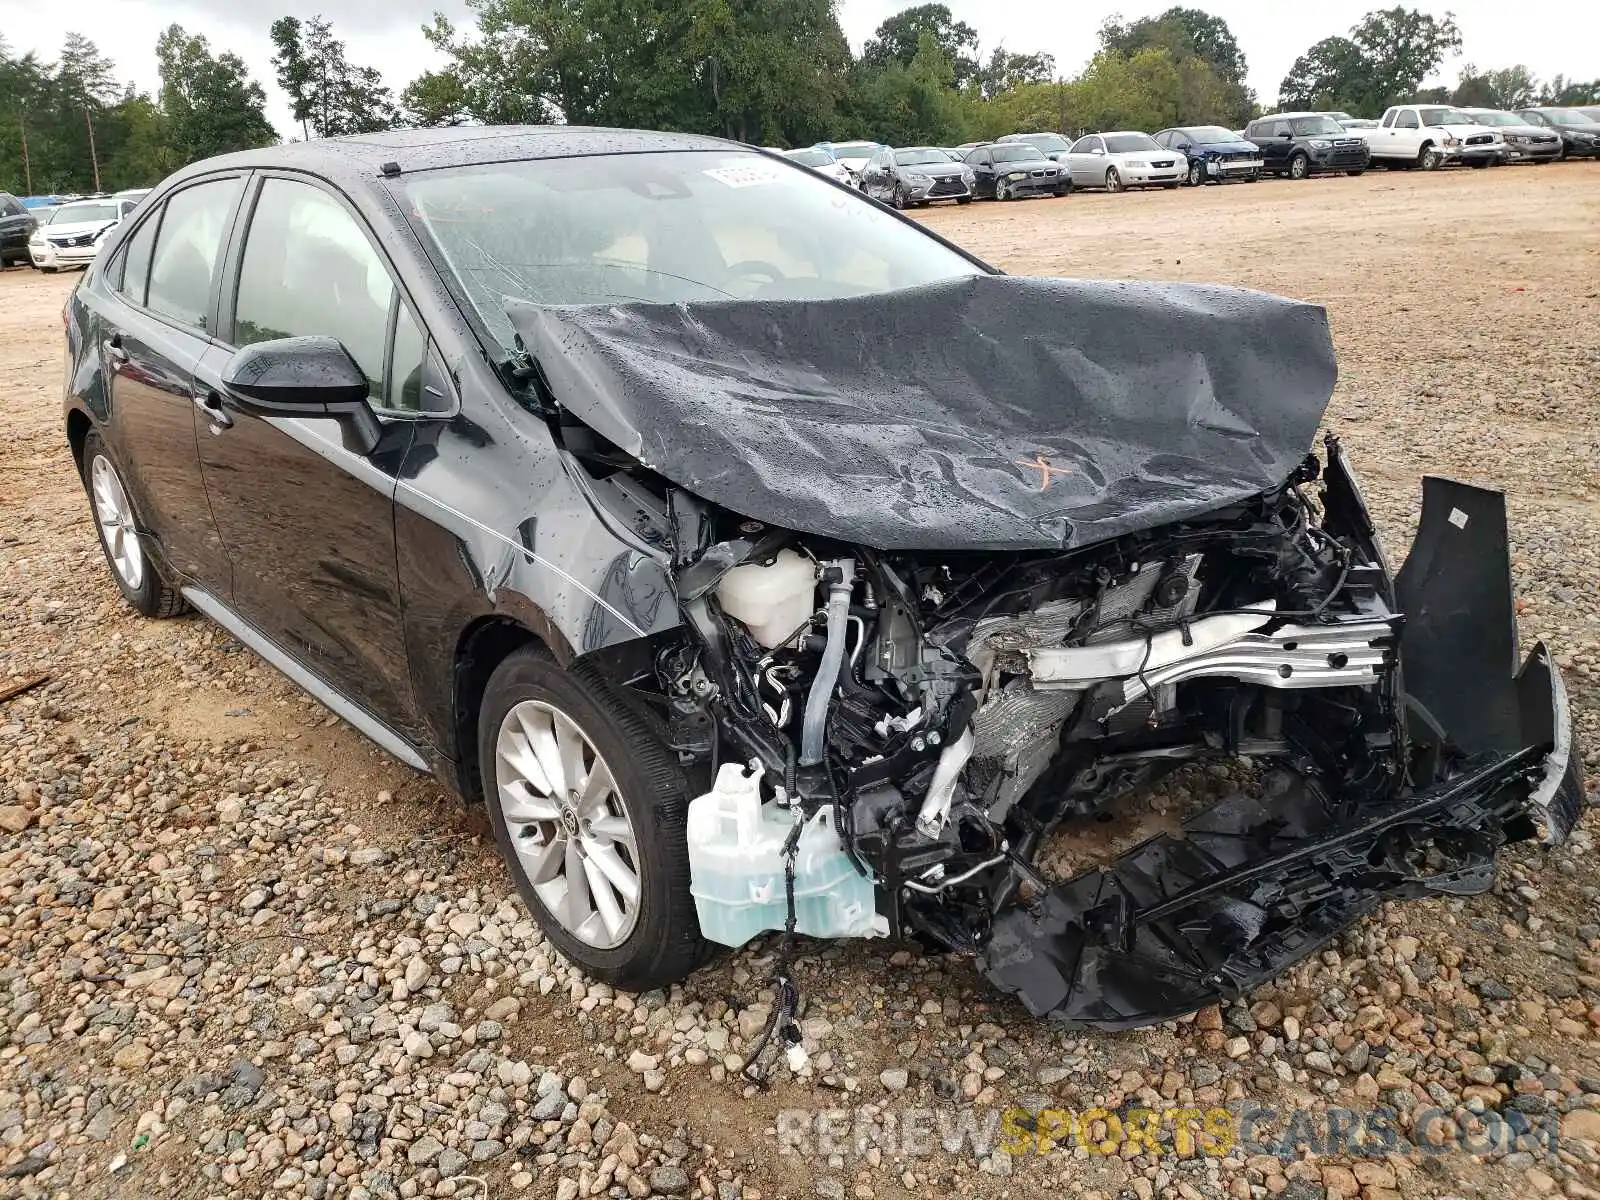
(156,320)
(1083,164)
(308,524)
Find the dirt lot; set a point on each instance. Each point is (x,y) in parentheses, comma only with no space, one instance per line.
(241,953)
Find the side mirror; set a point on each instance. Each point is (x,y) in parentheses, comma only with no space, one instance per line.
(1287,136)
(305,377)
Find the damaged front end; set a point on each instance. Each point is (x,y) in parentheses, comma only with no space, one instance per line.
(962,566)
(900,733)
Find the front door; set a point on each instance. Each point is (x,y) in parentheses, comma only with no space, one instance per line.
(155,333)
(309,524)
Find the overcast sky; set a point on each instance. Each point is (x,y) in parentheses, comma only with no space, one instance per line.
(386,33)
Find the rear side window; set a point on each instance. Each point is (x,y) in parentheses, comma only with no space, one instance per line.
(309,269)
(185,259)
(136,260)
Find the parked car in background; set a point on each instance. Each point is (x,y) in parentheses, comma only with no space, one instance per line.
(1213,153)
(16,227)
(852,156)
(1357,125)
(134,194)
(1432,136)
(1580,134)
(1124,159)
(1013,171)
(1052,145)
(916,176)
(821,161)
(75,232)
(1592,111)
(1525,142)
(1300,145)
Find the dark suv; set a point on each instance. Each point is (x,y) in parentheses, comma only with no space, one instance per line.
(1302,144)
(16,227)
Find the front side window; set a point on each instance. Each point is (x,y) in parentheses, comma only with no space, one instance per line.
(1085,145)
(408,365)
(184,262)
(671,227)
(1406,120)
(309,269)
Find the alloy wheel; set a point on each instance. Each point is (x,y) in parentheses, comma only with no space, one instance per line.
(568,824)
(115,514)
(1197,174)
(1431,159)
(1113,180)
(1299,167)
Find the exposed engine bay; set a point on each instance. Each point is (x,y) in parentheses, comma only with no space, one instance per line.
(960,563)
(926,721)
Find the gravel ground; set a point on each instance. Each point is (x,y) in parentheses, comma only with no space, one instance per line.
(243,954)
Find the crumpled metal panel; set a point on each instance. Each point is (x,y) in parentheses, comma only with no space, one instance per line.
(984,413)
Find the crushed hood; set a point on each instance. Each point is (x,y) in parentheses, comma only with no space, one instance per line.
(983,413)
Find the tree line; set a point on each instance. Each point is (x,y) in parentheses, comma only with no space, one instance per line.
(773,72)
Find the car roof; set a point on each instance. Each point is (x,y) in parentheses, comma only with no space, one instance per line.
(1289,115)
(365,155)
(1119,133)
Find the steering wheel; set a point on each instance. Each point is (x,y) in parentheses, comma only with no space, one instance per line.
(756,271)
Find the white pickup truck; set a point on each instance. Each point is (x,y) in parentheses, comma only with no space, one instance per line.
(1430,136)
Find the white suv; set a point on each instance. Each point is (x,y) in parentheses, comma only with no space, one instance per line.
(1431,135)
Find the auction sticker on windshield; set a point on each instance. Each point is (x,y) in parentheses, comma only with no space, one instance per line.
(750,176)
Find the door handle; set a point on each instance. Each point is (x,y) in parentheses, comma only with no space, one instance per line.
(114,350)
(210,403)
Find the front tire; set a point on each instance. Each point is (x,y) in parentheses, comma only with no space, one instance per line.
(117,525)
(1299,167)
(589,810)
(1197,174)
(1001,190)
(1113,180)
(1356,174)
(1429,159)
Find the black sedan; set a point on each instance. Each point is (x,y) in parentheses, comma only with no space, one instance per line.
(16,227)
(1014,170)
(762,561)
(916,175)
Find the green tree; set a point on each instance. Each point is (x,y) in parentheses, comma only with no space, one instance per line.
(1333,74)
(1193,40)
(328,94)
(1005,71)
(912,105)
(899,40)
(435,98)
(1563,91)
(1402,47)
(1509,87)
(211,104)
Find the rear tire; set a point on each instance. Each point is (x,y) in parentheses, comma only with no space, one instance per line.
(117,525)
(661,944)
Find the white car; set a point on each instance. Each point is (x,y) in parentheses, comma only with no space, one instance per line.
(1124,159)
(74,233)
(822,162)
(1432,135)
(852,156)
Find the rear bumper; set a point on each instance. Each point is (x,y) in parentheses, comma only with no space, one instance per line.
(1257,882)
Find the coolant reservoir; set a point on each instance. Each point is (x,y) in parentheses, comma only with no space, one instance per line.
(771,599)
(736,868)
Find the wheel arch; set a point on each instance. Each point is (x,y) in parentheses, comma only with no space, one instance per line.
(79,424)
(482,646)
